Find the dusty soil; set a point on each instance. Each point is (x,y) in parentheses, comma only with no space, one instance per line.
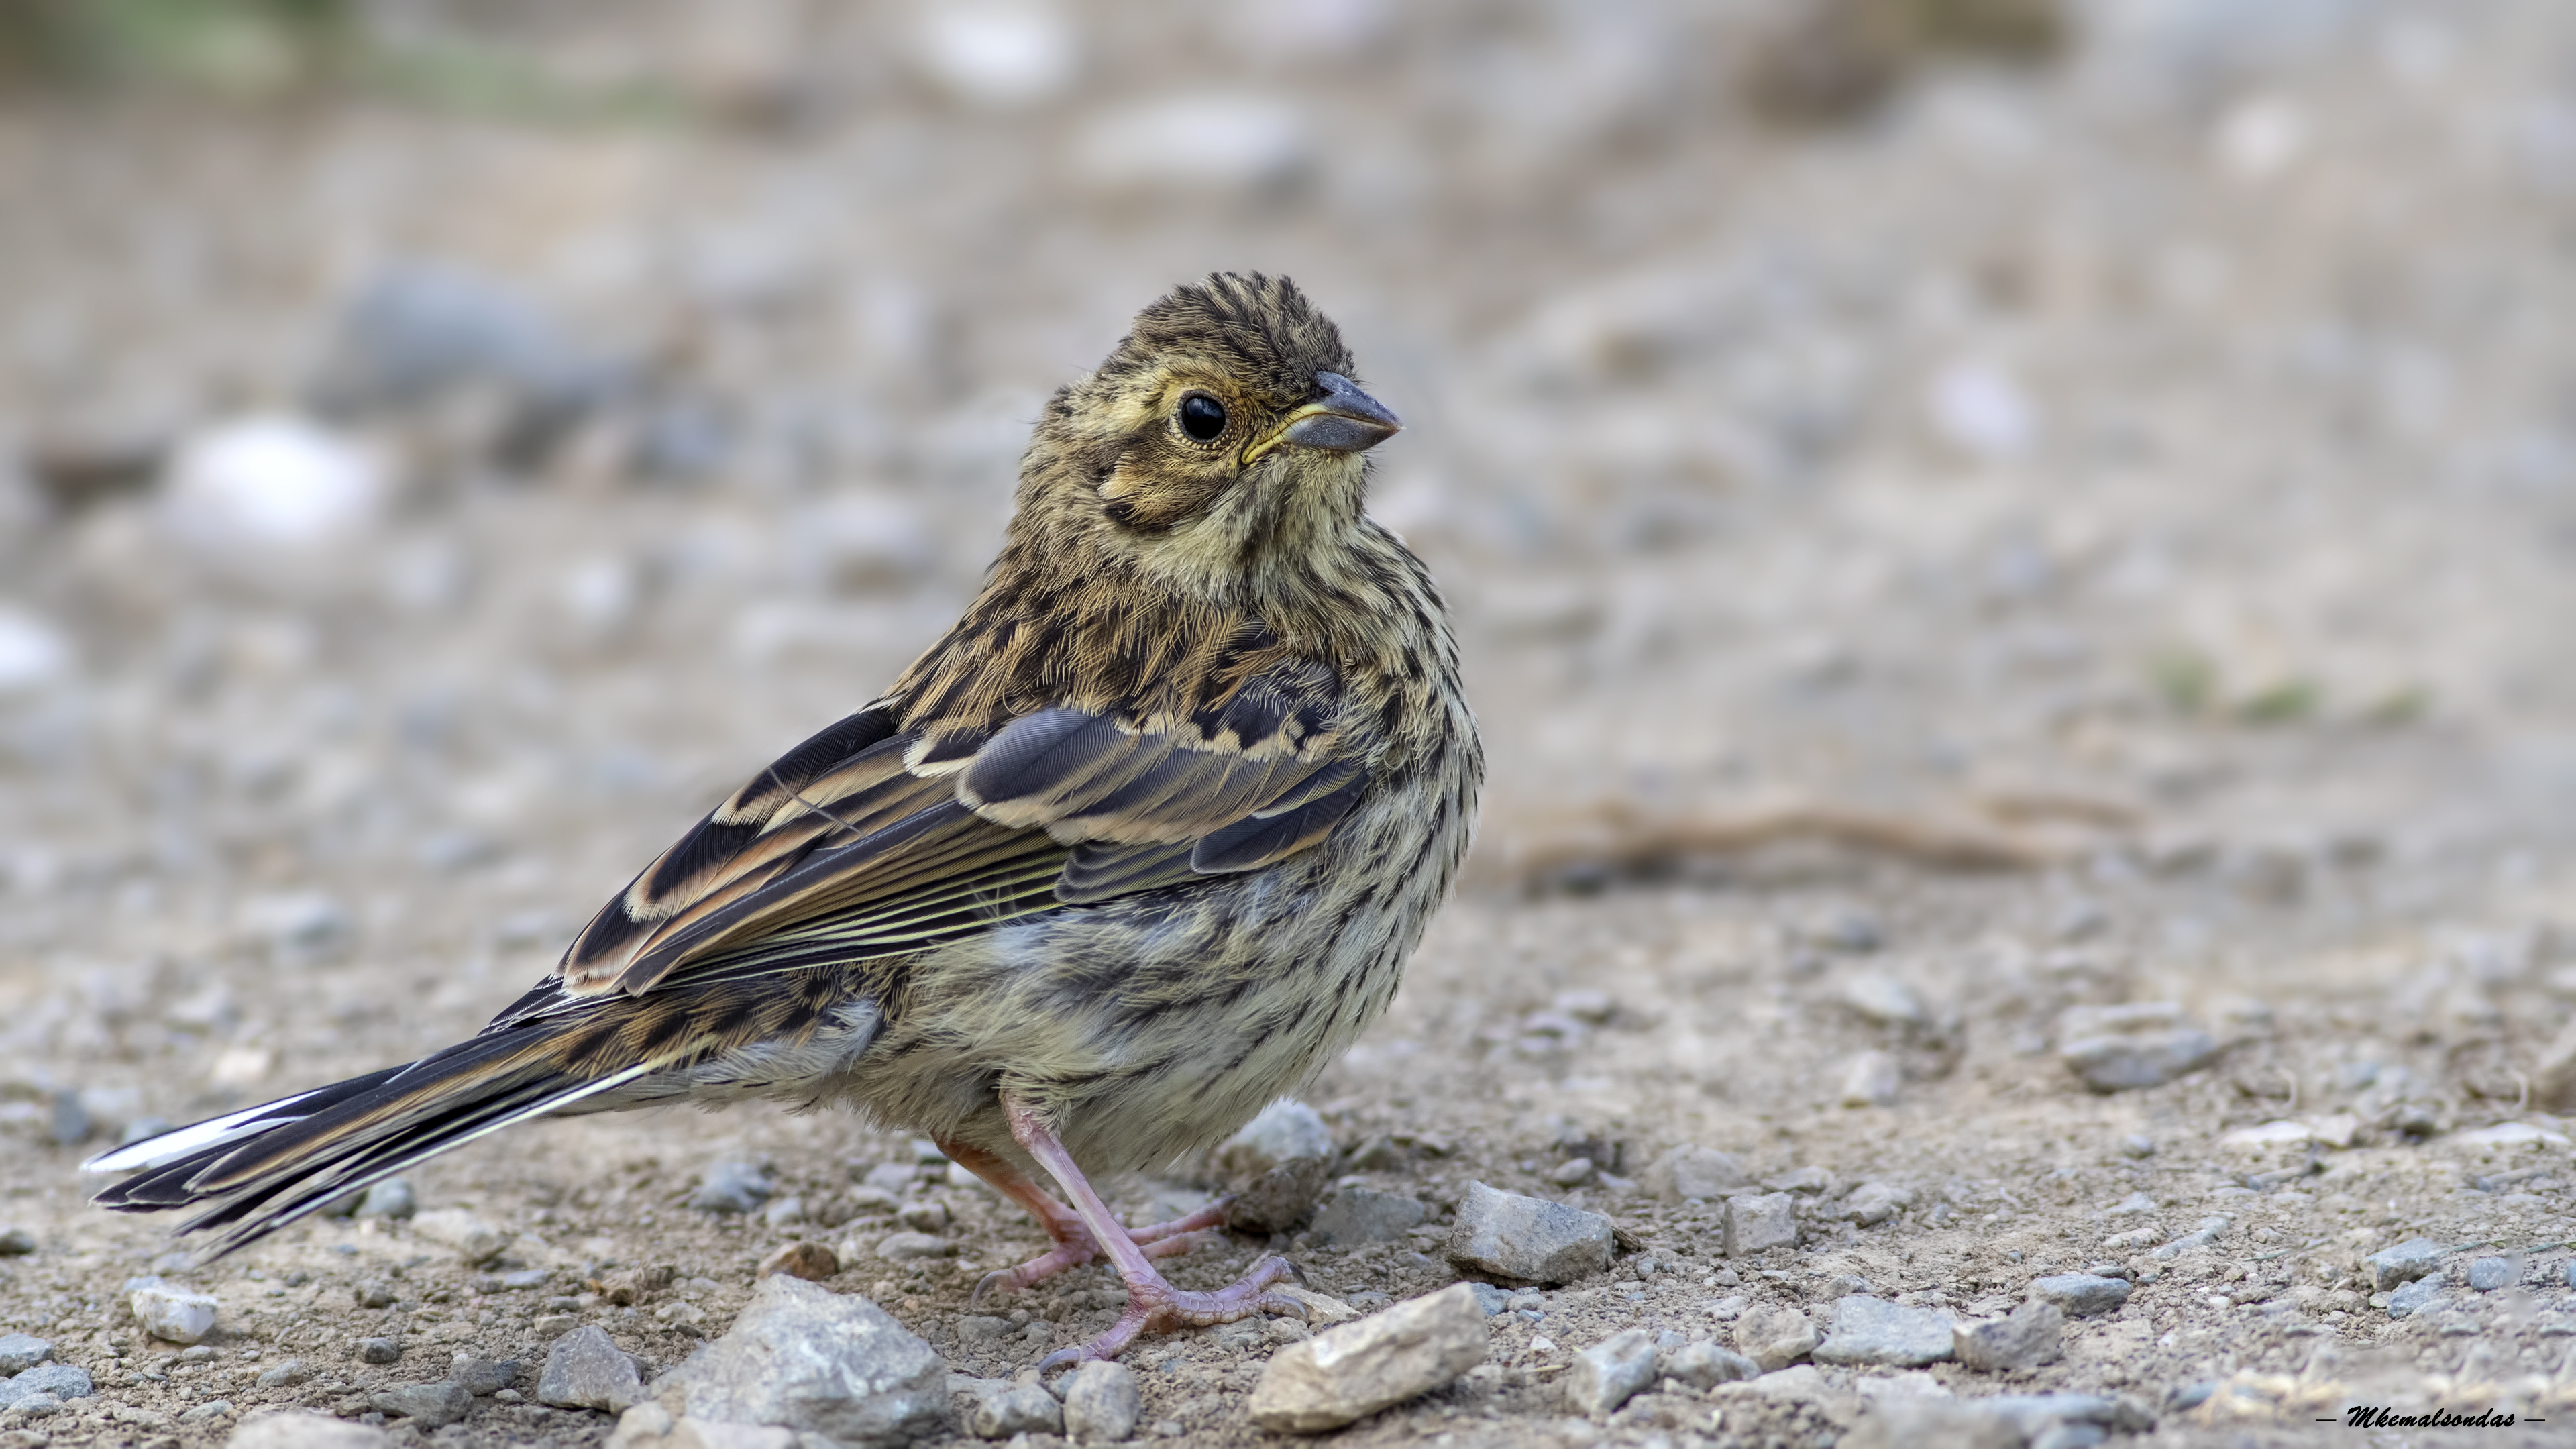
(2094,535)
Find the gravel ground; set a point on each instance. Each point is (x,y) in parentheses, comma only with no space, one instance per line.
(2081,537)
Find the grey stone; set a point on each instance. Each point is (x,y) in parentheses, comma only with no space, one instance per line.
(302,1429)
(1919,1422)
(417,333)
(62,1380)
(805,1358)
(170,1312)
(2081,1295)
(731,1187)
(374,1294)
(70,1124)
(34,1406)
(435,1406)
(923,1217)
(2031,1336)
(1811,1180)
(286,1375)
(1703,1365)
(2403,1263)
(1528,1238)
(1490,1298)
(1610,1373)
(1758,1222)
(1873,1203)
(20,1352)
(1874,1331)
(1872,1080)
(2038,1415)
(1774,1337)
(16,1242)
(474,1239)
(379,1350)
(2208,1233)
(2489,1274)
(482,1377)
(911,1247)
(587,1370)
(1695,1172)
(2416,1296)
(981,1328)
(2139,1059)
(1101,1403)
(1276,1167)
(551,1326)
(391,1198)
(1003,1408)
(1352,1370)
(1885,1001)
(1358,1215)
(207,1412)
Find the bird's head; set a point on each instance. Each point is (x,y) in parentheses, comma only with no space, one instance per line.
(1222,439)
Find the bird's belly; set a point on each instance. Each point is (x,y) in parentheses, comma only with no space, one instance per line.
(1161,1023)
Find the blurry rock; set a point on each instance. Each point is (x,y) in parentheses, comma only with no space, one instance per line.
(1758,1222)
(1873,1203)
(1528,1238)
(303,1429)
(170,1312)
(33,653)
(2031,1336)
(2486,1275)
(641,1427)
(1218,140)
(1774,1337)
(732,1187)
(474,1240)
(16,1242)
(1610,1373)
(1003,1408)
(1873,1331)
(804,1358)
(2140,1059)
(379,1350)
(1323,1309)
(1981,410)
(1703,1365)
(585,1369)
(292,920)
(1885,1001)
(2267,1137)
(1101,1403)
(419,334)
(2081,1295)
(20,1352)
(924,1217)
(810,1261)
(272,482)
(1276,1166)
(2403,1263)
(1347,1373)
(1358,1215)
(1695,1172)
(1931,1423)
(863,542)
(2553,1078)
(2259,138)
(999,54)
(1872,1080)
(391,1198)
(68,1122)
(60,1381)
(2418,1296)
(2209,1231)
(479,1376)
(1835,60)
(907,1247)
(433,1406)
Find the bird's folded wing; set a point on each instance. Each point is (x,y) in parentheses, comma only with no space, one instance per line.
(869,840)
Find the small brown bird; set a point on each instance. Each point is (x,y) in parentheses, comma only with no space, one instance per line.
(1140,844)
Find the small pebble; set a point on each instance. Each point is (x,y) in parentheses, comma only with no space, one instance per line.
(2486,1275)
(379,1350)
(731,1187)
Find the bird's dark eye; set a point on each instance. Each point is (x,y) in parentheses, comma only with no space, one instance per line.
(1202,417)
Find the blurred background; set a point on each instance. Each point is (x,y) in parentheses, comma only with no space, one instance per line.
(444,446)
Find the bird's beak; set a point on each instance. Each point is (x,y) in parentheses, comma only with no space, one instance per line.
(1344,419)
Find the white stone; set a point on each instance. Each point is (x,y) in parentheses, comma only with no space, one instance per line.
(32,651)
(170,1312)
(300,1429)
(474,1240)
(1872,1080)
(999,55)
(1345,1374)
(2268,1136)
(269,482)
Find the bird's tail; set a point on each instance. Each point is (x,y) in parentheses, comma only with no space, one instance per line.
(263,1167)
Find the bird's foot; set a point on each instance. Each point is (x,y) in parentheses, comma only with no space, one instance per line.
(1074,1246)
(1155,1306)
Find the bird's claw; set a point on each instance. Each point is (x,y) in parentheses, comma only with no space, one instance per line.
(1154,1305)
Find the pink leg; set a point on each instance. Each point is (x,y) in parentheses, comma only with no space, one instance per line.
(1152,1303)
(1074,1245)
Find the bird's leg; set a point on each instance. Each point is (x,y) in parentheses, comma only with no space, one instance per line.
(1152,1303)
(1073,1242)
